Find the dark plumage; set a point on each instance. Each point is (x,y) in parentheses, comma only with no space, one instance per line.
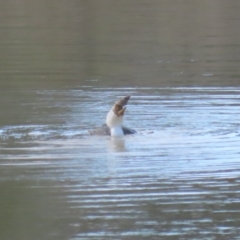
(105,130)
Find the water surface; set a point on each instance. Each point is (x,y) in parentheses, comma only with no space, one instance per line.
(63,65)
(177,177)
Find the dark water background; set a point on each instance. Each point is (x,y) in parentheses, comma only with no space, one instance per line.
(63,64)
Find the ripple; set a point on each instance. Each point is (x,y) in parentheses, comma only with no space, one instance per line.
(178,177)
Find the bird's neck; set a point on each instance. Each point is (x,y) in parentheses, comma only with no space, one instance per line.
(114,123)
(116,131)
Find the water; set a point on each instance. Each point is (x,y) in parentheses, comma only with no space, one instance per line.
(178,177)
(64,65)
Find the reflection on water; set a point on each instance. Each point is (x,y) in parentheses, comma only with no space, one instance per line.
(116,144)
(177,177)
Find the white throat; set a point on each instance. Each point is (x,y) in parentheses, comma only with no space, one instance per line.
(114,123)
(116,132)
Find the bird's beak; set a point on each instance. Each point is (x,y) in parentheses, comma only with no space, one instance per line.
(122,102)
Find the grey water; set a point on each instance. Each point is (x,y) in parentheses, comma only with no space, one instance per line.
(63,65)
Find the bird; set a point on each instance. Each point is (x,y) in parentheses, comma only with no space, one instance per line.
(114,121)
